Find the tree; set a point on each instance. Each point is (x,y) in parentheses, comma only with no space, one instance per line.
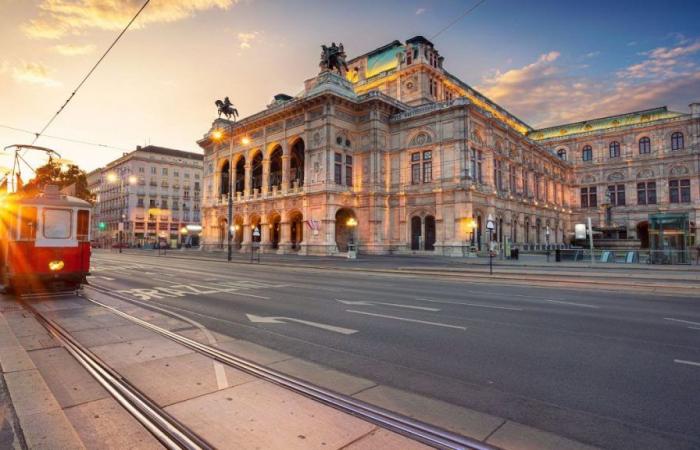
(62,176)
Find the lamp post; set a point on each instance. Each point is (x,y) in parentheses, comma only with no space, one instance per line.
(490,226)
(351,223)
(546,235)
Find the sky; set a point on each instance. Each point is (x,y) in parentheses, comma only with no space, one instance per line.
(547,62)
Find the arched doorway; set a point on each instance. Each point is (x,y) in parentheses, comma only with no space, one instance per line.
(256,172)
(296,228)
(237,231)
(222,232)
(430,233)
(276,168)
(296,163)
(275,231)
(224,179)
(643,233)
(345,228)
(240,175)
(415,232)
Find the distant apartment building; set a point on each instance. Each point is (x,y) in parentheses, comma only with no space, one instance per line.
(149,194)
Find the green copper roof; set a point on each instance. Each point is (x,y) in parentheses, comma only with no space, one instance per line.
(622,120)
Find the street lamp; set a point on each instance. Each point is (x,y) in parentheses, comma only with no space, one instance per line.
(546,235)
(218,135)
(490,225)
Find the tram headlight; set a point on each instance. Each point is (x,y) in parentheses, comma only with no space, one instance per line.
(55,266)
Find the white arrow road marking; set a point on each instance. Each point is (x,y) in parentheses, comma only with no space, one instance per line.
(690,363)
(398,305)
(275,319)
(682,321)
(467,304)
(406,319)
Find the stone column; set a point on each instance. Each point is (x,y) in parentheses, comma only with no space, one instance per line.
(285,236)
(266,176)
(248,179)
(265,243)
(285,167)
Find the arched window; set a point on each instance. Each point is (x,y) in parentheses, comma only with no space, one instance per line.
(614,149)
(677,141)
(561,153)
(644,146)
(587,153)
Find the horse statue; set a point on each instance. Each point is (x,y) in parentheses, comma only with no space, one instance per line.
(226,108)
(333,58)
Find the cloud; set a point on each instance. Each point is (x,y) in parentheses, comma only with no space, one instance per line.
(420,11)
(34,73)
(58,18)
(246,39)
(664,62)
(592,54)
(546,93)
(74,49)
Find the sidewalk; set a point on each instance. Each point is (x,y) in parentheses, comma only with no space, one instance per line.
(60,406)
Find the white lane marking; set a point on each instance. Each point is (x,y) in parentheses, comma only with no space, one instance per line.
(277,319)
(694,328)
(478,305)
(406,319)
(682,321)
(106,278)
(690,363)
(219,371)
(398,305)
(582,305)
(235,292)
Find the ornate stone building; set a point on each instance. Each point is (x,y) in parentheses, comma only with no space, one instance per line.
(400,156)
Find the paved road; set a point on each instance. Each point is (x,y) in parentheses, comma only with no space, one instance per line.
(610,369)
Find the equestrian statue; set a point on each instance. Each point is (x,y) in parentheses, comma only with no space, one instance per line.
(226,108)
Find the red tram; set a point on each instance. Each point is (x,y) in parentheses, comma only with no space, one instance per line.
(44,241)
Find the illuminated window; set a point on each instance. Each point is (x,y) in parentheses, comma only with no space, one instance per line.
(83,225)
(27,223)
(677,141)
(644,146)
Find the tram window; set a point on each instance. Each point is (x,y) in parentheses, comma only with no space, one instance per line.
(57,223)
(27,226)
(83,225)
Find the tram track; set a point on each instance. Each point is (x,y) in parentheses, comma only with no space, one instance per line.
(403,425)
(168,430)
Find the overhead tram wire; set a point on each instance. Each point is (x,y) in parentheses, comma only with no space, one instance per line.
(77,141)
(75,91)
(458,18)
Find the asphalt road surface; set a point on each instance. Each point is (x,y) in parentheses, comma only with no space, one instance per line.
(608,369)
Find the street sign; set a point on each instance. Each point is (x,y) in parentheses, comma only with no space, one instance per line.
(256,232)
(490,225)
(580,231)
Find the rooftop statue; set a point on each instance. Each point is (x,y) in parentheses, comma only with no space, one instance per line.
(333,58)
(226,108)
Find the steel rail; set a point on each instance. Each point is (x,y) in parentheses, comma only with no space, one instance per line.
(406,426)
(171,433)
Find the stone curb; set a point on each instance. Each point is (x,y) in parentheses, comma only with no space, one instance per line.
(43,422)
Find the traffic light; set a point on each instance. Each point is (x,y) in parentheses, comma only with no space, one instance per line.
(102,226)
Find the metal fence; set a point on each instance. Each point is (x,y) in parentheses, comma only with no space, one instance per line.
(616,256)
